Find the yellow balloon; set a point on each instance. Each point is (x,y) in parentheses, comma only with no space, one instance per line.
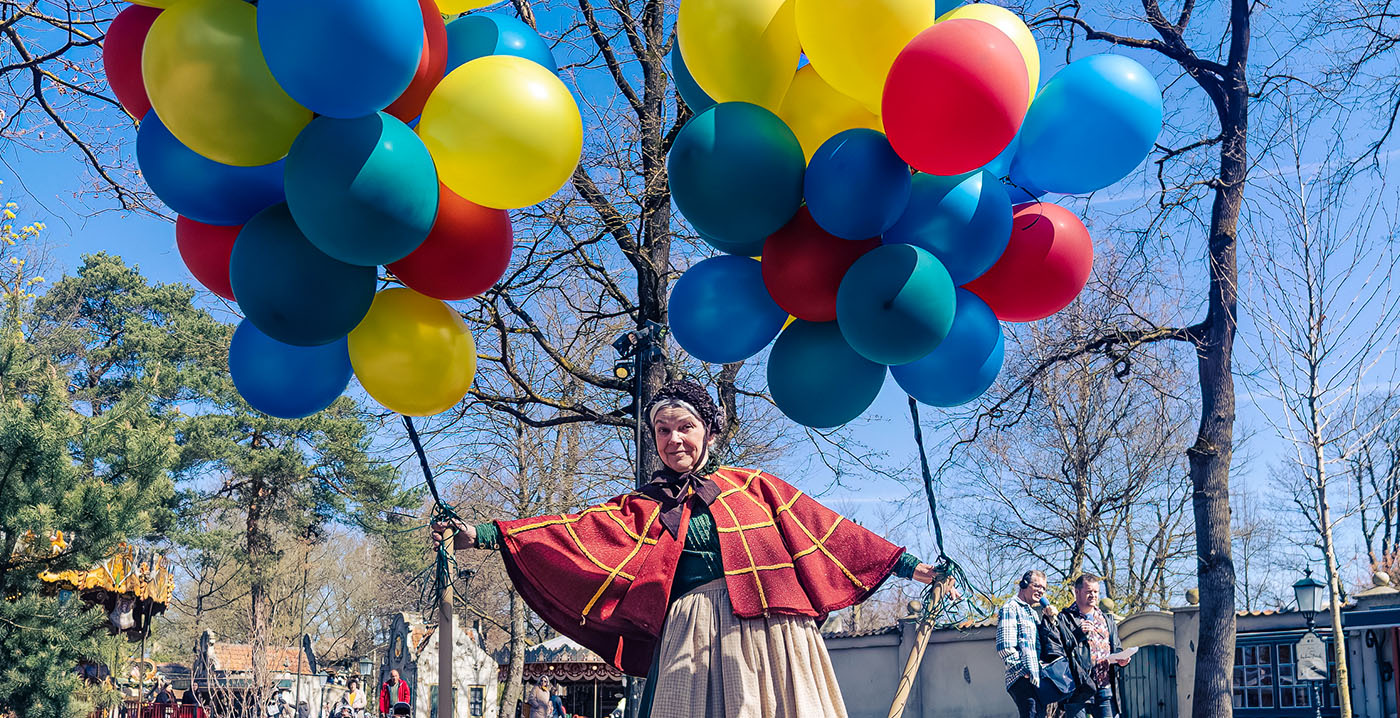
(1006,21)
(154,3)
(413,354)
(205,74)
(853,43)
(815,112)
(504,131)
(740,50)
(454,7)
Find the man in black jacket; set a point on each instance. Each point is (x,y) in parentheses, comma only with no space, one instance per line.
(1086,636)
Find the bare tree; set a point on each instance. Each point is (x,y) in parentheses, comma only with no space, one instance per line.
(1092,476)
(1257,544)
(54,96)
(1374,469)
(1327,315)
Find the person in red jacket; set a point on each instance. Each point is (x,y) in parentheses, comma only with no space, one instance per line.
(393,691)
(710,580)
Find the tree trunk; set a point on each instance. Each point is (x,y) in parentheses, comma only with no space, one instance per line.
(1334,604)
(259,554)
(516,670)
(1210,456)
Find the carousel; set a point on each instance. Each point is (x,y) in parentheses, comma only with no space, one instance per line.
(132,586)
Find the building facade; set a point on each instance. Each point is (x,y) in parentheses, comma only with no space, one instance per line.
(413,652)
(961,674)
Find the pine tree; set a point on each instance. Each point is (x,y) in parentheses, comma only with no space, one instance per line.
(100,478)
(115,335)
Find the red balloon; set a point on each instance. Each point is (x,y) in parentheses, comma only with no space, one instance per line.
(955,97)
(431,66)
(465,253)
(121,57)
(206,249)
(803,265)
(1044,267)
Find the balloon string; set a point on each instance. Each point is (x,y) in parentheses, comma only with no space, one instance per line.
(928,478)
(936,602)
(443,566)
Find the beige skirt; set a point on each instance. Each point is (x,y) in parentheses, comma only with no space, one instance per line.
(713,664)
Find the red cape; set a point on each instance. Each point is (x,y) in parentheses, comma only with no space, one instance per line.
(603,576)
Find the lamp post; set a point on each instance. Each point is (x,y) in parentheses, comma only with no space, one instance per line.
(1308,593)
(637,349)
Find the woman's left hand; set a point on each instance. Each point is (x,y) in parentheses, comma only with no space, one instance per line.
(926,573)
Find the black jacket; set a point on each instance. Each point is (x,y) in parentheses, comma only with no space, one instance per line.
(1064,637)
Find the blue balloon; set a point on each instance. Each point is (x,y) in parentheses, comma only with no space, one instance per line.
(895,304)
(285,381)
(721,312)
(198,187)
(342,58)
(736,172)
(364,191)
(856,186)
(695,98)
(817,379)
(292,291)
(1093,122)
(964,365)
(963,220)
(472,36)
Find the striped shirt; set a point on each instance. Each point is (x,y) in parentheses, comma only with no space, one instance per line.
(1018,642)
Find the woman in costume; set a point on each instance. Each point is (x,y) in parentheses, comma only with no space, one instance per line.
(710,580)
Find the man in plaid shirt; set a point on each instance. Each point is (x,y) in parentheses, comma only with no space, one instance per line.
(1018,642)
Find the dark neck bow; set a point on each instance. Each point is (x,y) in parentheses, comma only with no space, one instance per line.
(673,490)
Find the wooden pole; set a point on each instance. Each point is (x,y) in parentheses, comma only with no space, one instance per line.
(916,656)
(447,623)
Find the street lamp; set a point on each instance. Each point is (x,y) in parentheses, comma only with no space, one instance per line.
(1308,592)
(1309,652)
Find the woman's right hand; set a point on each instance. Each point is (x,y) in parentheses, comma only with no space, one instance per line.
(463,536)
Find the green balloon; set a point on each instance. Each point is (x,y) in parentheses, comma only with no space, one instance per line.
(736,173)
(817,379)
(896,304)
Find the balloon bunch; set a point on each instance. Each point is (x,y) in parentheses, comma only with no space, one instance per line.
(878,206)
(305,143)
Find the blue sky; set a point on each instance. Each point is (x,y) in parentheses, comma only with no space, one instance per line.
(52,187)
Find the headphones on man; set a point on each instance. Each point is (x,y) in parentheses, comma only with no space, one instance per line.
(1026,579)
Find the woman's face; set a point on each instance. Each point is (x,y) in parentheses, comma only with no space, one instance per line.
(680,439)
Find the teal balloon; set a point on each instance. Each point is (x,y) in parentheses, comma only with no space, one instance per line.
(291,290)
(487,33)
(1092,124)
(742,248)
(720,312)
(895,304)
(965,365)
(285,381)
(736,172)
(364,191)
(817,379)
(686,86)
(963,220)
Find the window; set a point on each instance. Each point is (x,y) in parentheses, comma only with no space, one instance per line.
(477,700)
(1265,679)
(1254,677)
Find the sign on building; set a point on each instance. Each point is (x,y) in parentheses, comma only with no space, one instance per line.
(1311,654)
